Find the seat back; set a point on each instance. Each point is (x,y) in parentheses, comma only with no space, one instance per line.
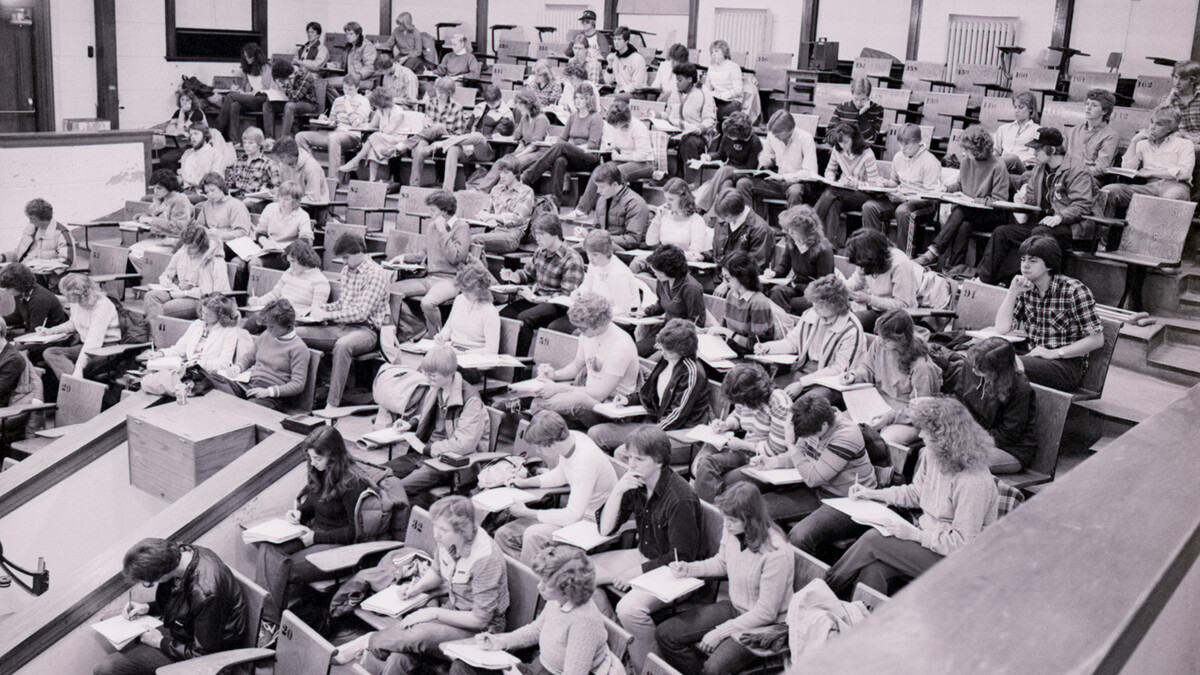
(867,67)
(771,69)
(333,232)
(619,639)
(655,665)
(256,597)
(1156,229)
(401,241)
(1033,78)
(967,79)
(554,348)
(365,194)
(510,331)
(994,111)
(826,97)
(166,331)
(420,531)
(226,81)
(1062,114)
(262,280)
(79,400)
(507,51)
(1128,121)
(471,202)
(508,73)
(1092,385)
(807,569)
(155,264)
(549,49)
(1150,90)
(308,397)
(465,96)
(936,104)
(892,100)
(643,109)
(716,308)
(495,417)
(1079,84)
(524,600)
(412,201)
(1052,407)
(301,650)
(977,305)
(808,123)
(868,596)
(915,74)
(712,526)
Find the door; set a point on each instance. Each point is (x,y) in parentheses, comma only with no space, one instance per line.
(18,85)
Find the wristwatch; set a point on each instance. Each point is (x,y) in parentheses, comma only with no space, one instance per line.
(1058,354)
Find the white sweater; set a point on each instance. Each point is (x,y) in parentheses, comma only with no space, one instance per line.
(589,473)
(613,281)
(213,353)
(473,327)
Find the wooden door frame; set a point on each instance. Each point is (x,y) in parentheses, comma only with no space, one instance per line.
(43,62)
(107,92)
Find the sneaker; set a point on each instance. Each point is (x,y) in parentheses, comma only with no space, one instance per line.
(927,258)
(268,633)
(352,650)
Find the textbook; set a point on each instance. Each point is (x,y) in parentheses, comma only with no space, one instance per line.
(389,602)
(788,476)
(584,534)
(866,512)
(865,404)
(664,585)
(498,499)
(121,632)
(274,531)
(486,361)
(617,412)
(469,652)
(835,383)
(1119,171)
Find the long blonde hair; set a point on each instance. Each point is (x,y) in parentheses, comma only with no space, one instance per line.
(952,436)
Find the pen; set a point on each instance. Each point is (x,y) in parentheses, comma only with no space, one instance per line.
(674,550)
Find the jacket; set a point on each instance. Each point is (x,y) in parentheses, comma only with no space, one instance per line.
(684,402)
(626,217)
(204,611)
(54,243)
(464,420)
(12,367)
(753,237)
(1072,193)
(1011,423)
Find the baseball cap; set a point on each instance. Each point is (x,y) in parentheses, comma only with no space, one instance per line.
(1047,136)
(588,15)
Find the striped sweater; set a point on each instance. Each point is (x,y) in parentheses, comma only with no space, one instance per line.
(832,461)
(851,169)
(769,426)
(831,347)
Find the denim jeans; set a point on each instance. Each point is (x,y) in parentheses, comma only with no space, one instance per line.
(345,342)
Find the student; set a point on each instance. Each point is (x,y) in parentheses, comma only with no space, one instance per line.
(606,357)
(827,341)
(626,67)
(492,117)
(201,158)
(313,54)
(829,453)
(664,77)
(554,269)
(45,243)
(736,227)
(667,516)
(678,294)
(508,211)
(1185,75)
(195,270)
(543,84)
(283,222)
(530,131)
(748,313)
(594,39)
(898,364)
(587,59)
(349,110)
(303,285)
(983,178)
(678,222)
(582,467)
(1012,139)
(575,76)
(724,80)
(300,88)
(1063,193)
(170,210)
(253,171)
(692,109)
(302,169)
(474,323)
(576,146)
(953,489)
(737,149)
(860,111)
(1162,155)
(188,111)
(674,393)
(792,152)
(606,276)
(93,319)
(33,305)
(360,61)
(915,171)
(355,317)
(452,420)
(251,92)
(620,210)
(851,164)
(629,141)
(444,118)
(459,61)
(326,505)
(13,375)
(805,255)
(1093,144)
(392,130)
(1056,313)
(278,362)
(755,558)
(471,567)
(447,244)
(406,43)
(397,79)
(887,279)
(202,605)
(223,217)
(990,381)
(762,412)
(211,340)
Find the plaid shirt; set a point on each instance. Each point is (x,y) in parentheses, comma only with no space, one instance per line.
(448,114)
(750,319)
(301,87)
(1189,113)
(364,296)
(251,175)
(554,272)
(512,206)
(1064,315)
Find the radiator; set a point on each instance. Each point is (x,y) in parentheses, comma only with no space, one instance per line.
(563,17)
(973,39)
(746,31)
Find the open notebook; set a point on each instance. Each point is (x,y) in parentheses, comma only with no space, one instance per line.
(664,585)
(121,632)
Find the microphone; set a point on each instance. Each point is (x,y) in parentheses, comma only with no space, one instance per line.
(39,581)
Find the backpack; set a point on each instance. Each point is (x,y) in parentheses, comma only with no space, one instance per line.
(194,85)
(134,330)
(29,386)
(542,204)
(382,508)
(878,453)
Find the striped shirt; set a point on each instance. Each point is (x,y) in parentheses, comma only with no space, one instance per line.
(769,426)
(868,121)
(824,347)
(832,461)
(750,318)
(859,169)
(304,288)
(477,581)
(364,296)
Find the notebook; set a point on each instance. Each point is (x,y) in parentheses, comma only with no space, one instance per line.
(617,412)
(664,585)
(498,499)
(835,383)
(583,534)
(865,404)
(789,476)
(389,602)
(713,349)
(121,632)
(245,248)
(705,434)
(468,651)
(274,531)
(866,512)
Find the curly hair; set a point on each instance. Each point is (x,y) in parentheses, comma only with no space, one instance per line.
(748,385)
(458,512)
(590,311)
(282,69)
(743,502)
(167,179)
(670,260)
(341,474)
(195,236)
(588,93)
(830,291)
(618,114)
(678,337)
(39,209)
(744,268)
(803,220)
(977,143)
(1105,98)
(953,438)
(443,201)
(380,98)
(721,45)
(151,559)
(687,200)
(567,570)
(871,251)
(575,70)
(737,125)
(528,100)
(278,313)
(687,70)
(80,286)
(17,278)
(302,252)
(897,327)
(475,282)
(224,307)
(996,361)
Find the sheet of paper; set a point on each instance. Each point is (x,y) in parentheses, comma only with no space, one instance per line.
(422,346)
(36,339)
(527,387)
(866,512)
(664,585)
(705,434)
(835,383)
(389,602)
(469,652)
(779,359)
(865,404)
(165,363)
(663,125)
(789,476)
(638,320)
(275,531)
(498,499)
(712,348)
(617,412)
(583,534)
(121,632)
(484,361)
(382,437)
(245,248)
(243,377)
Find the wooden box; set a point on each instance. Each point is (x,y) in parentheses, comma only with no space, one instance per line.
(173,448)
